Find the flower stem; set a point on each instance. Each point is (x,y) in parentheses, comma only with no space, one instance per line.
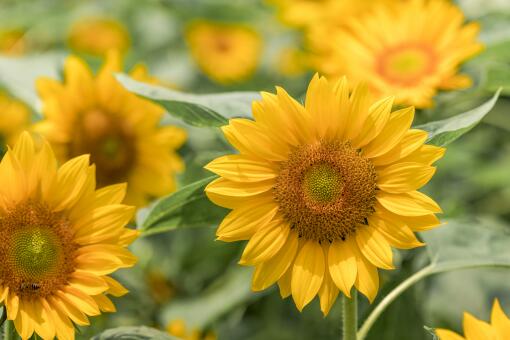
(350,316)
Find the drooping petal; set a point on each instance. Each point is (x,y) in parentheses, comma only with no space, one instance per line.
(374,247)
(404,177)
(265,243)
(342,264)
(412,203)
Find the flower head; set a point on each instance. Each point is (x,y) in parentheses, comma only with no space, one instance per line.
(120,131)
(225,52)
(409,49)
(323,191)
(474,329)
(60,238)
(97,36)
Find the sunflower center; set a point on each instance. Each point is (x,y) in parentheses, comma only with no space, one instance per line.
(326,190)
(109,141)
(322,182)
(36,248)
(406,64)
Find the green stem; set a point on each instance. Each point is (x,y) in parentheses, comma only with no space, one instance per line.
(8,330)
(350,316)
(431,269)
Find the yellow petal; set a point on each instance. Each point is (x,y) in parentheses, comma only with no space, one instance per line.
(360,103)
(328,291)
(475,329)
(12,303)
(81,300)
(43,324)
(500,322)
(111,194)
(115,288)
(104,303)
(23,322)
(307,273)
(241,168)
(243,222)
(396,128)
(367,280)
(297,117)
(413,139)
(426,154)
(68,308)
(284,283)
(412,203)
(378,116)
(265,243)
(374,247)
(272,270)
(226,187)
(342,264)
(421,223)
(404,177)
(394,230)
(88,283)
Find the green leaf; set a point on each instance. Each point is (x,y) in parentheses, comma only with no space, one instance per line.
(208,110)
(228,292)
(18,75)
(188,207)
(445,131)
(133,333)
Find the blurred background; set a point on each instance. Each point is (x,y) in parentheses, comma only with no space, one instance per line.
(185,282)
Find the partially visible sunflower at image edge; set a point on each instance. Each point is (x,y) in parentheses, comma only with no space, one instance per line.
(87,114)
(60,238)
(409,48)
(474,329)
(323,191)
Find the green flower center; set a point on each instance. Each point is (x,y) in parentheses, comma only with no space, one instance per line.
(35,252)
(323,183)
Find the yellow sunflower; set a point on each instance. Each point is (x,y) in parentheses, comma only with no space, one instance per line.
(14,118)
(409,50)
(475,329)
(97,36)
(323,191)
(120,131)
(12,42)
(225,52)
(59,239)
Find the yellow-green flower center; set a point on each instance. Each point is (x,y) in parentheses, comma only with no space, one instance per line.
(35,251)
(326,190)
(322,182)
(36,248)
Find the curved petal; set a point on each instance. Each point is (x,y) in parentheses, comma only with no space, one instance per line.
(240,168)
(225,187)
(284,283)
(404,177)
(412,203)
(378,116)
(272,270)
(367,280)
(374,247)
(265,243)
(394,230)
(426,154)
(307,273)
(342,264)
(360,103)
(328,291)
(421,223)
(413,139)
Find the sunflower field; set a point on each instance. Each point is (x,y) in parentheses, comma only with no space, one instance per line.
(255,169)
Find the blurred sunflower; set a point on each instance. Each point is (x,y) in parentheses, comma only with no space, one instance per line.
(323,191)
(97,36)
(120,131)
(12,42)
(14,118)
(178,329)
(475,329)
(410,50)
(59,239)
(225,52)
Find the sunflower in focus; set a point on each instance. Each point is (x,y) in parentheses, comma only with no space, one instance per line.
(178,329)
(97,36)
(14,118)
(411,50)
(12,42)
(225,52)
(322,201)
(95,115)
(59,239)
(474,329)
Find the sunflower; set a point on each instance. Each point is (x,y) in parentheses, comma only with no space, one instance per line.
(59,239)
(323,191)
(14,118)
(410,49)
(13,42)
(475,329)
(96,36)
(120,131)
(225,52)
